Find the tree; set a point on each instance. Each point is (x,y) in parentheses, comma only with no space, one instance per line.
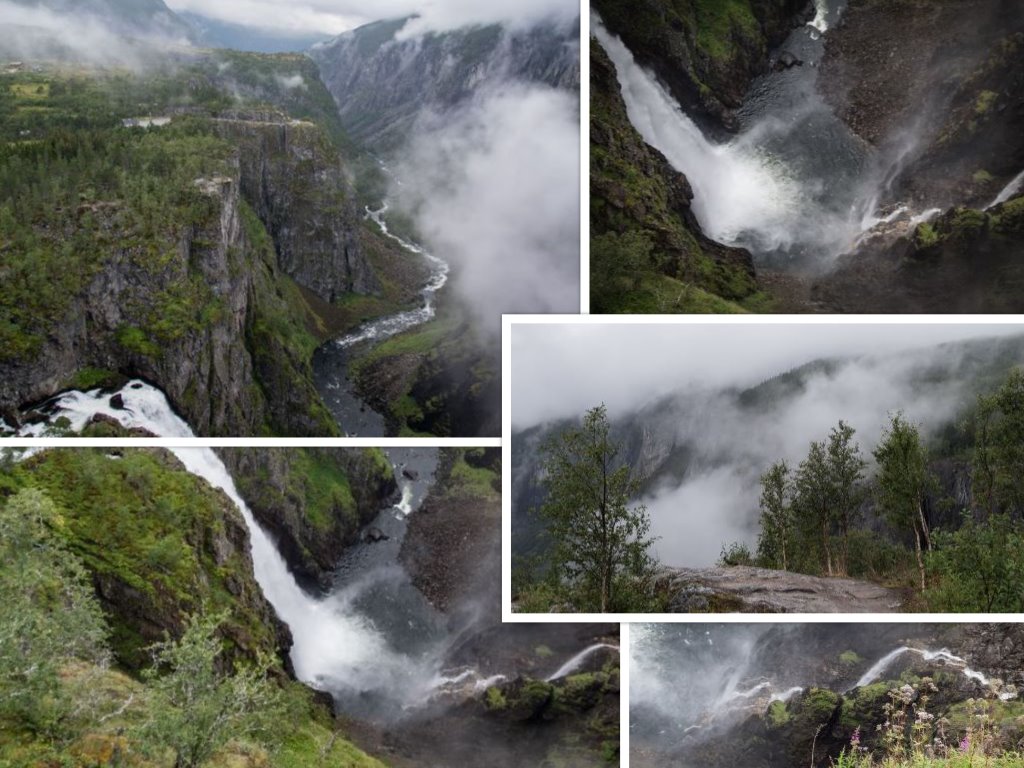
(600,543)
(980,567)
(193,707)
(903,480)
(775,541)
(999,449)
(827,490)
(812,501)
(49,620)
(847,469)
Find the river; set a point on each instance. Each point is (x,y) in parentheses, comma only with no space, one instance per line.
(331,361)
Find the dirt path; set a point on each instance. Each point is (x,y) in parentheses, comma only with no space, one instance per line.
(742,589)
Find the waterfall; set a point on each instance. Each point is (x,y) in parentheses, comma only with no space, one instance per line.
(736,189)
(1008,191)
(878,668)
(577,661)
(335,646)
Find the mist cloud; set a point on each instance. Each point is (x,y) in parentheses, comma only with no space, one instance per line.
(42,33)
(332,17)
(494,190)
(729,446)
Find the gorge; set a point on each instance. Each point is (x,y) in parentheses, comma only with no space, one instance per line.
(840,157)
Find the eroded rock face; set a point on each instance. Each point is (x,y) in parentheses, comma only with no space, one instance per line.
(760,590)
(227,365)
(312,501)
(964,260)
(148,592)
(294,180)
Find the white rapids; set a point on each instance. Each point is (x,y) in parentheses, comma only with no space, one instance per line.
(385,327)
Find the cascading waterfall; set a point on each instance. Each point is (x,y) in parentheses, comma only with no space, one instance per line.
(876,670)
(577,661)
(336,647)
(735,189)
(1010,190)
(794,186)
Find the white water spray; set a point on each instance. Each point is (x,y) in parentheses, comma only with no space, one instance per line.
(879,667)
(577,661)
(1010,190)
(736,188)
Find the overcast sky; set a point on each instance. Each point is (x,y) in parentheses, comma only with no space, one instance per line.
(561,370)
(331,17)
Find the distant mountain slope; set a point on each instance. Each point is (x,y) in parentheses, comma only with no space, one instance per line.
(133,18)
(215,33)
(382,84)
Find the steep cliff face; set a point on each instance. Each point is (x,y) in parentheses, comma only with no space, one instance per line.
(293,178)
(312,501)
(639,202)
(159,543)
(705,51)
(212,320)
(381,84)
(939,86)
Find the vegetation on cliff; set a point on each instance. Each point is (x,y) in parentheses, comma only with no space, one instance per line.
(196,682)
(138,199)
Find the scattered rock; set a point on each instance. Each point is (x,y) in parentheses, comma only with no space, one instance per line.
(410,474)
(786,60)
(117,401)
(375,534)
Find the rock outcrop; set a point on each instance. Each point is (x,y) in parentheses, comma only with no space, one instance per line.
(216,322)
(744,589)
(312,501)
(293,178)
(159,544)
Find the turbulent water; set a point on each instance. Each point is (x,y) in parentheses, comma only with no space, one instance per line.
(331,361)
(795,186)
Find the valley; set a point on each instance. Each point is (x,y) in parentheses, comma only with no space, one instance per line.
(224,226)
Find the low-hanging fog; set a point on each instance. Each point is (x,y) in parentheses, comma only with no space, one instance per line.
(679,385)
(37,31)
(335,16)
(493,188)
